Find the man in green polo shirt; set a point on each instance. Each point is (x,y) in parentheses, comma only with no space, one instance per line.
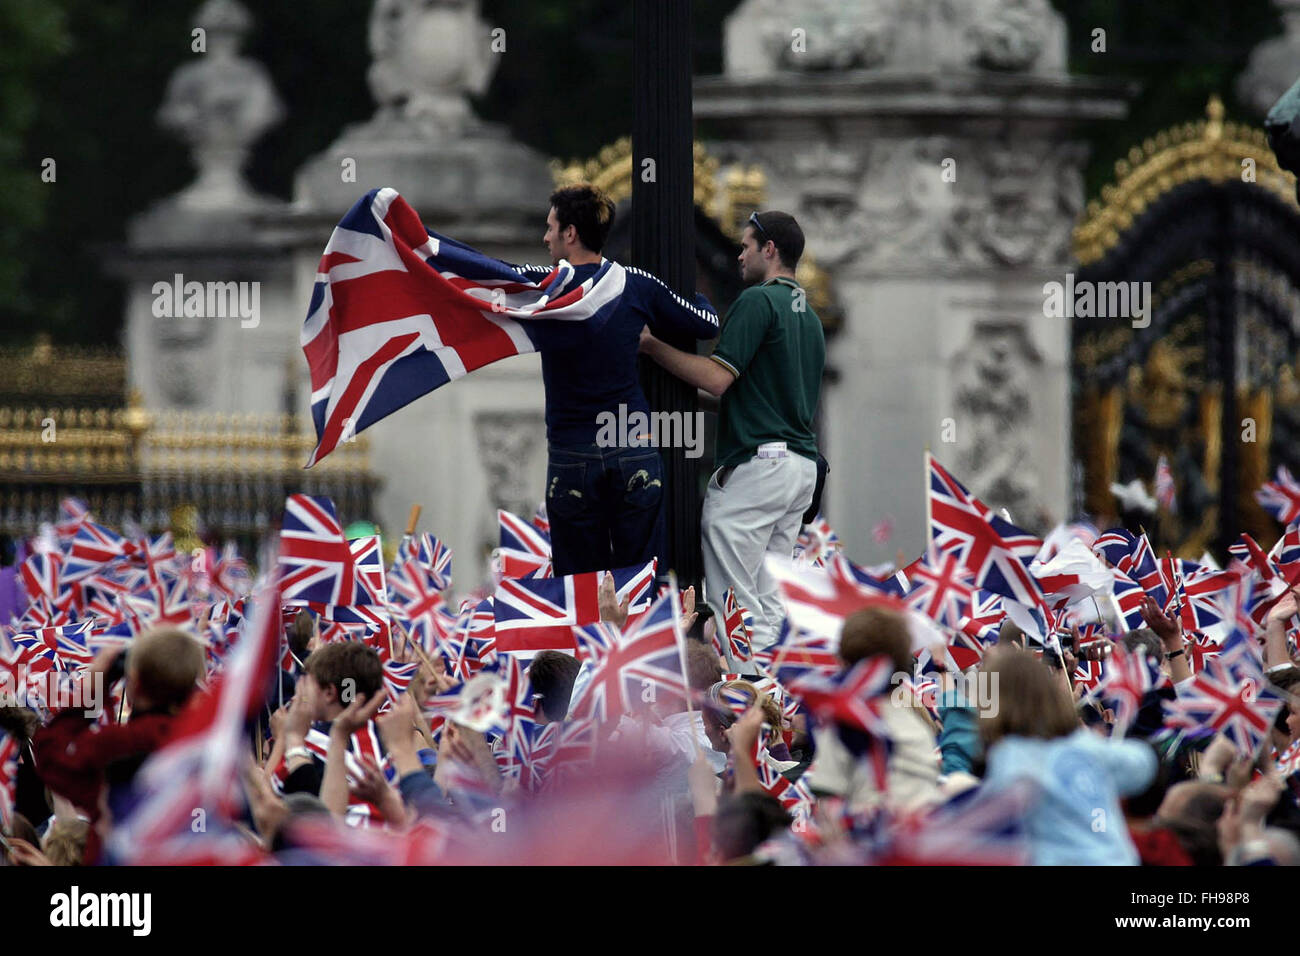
(767,370)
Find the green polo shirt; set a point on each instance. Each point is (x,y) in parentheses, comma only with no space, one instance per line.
(777,354)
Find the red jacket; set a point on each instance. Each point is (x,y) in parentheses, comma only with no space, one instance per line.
(76,758)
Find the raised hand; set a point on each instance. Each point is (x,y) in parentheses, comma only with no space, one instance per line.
(1168,629)
(607,599)
(1287,607)
(689,614)
(358,713)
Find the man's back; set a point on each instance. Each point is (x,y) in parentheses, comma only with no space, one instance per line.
(778,352)
(588,370)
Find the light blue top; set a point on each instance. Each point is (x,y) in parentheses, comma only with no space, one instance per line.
(1075,818)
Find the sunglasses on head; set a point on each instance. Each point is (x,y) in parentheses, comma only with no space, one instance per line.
(758,227)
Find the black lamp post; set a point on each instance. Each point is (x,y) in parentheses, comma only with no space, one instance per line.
(663,234)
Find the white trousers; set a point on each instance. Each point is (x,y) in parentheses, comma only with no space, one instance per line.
(757,510)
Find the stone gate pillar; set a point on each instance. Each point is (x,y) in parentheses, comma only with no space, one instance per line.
(931,151)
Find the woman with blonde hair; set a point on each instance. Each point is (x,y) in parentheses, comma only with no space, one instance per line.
(1034,736)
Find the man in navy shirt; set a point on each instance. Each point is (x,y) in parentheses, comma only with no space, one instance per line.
(604,503)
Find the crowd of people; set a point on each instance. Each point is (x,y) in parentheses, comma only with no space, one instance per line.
(364,745)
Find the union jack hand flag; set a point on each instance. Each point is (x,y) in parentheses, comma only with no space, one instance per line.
(1281,496)
(525,550)
(1287,549)
(798,651)
(856,699)
(429,554)
(984,619)
(316,561)
(941,588)
(595,640)
(156,555)
(647,660)
(65,645)
(738,624)
(541,520)
(398,311)
(794,796)
(93,546)
(817,542)
(419,601)
(165,603)
(75,514)
(995,550)
(398,677)
(819,599)
(1233,701)
(522,724)
(368,559)
(540,613)
(40,575)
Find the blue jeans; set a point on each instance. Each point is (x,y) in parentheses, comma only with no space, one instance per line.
(605,506)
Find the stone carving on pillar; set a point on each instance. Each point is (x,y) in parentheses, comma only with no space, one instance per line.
(428,54)
(506,442)
(1017,204)
(1023,210)
(993,396)
(1009,34)
(184,370)
(835,36)
(220,105)
(765,37)
(1273,64)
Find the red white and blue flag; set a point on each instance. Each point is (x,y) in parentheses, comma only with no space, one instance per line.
(398,311)
(316,561)
(525,550)
(1281,496)
(996,551)
(643,666)
(534,614)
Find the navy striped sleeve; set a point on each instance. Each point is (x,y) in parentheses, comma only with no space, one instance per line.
(669,314)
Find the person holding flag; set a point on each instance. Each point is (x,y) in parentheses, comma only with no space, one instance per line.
(604,503)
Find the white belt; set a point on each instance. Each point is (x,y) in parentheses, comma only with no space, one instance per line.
(773,449)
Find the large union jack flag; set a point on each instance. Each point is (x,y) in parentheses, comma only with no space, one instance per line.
(398,311)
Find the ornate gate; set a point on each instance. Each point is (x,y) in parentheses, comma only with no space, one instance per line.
(1204,214)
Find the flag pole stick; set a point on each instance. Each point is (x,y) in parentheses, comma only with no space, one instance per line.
(413,519)
(926,486)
